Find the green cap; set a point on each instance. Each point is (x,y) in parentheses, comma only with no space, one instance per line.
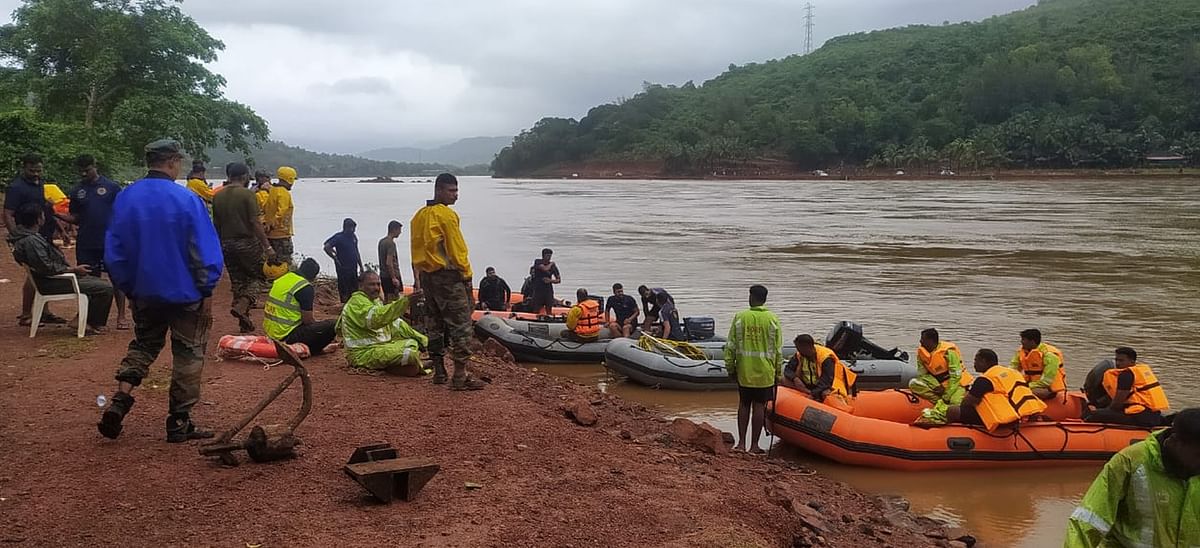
(165,146)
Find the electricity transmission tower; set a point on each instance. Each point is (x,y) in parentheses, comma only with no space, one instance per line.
(808,27)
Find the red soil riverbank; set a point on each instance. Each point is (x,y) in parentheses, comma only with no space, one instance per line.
(546,480)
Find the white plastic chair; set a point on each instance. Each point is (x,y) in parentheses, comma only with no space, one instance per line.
(39,304)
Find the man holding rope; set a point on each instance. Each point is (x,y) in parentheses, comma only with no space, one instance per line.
(754,357)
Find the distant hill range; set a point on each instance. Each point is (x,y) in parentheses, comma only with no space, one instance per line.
(465,152)
(273,154)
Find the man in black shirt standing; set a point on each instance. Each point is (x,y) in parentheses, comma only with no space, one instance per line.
(625,310)
(494,293)
(91,210)
(27,188)
(544,275)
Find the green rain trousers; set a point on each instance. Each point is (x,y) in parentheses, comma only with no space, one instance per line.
(375,335)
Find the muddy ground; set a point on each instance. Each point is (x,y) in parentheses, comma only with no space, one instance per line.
(543,479)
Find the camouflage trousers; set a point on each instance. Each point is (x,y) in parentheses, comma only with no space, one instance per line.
(189,325)
(447,315)
(244,262)
(283,250)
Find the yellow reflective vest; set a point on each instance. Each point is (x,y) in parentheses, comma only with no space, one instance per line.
(755,348)
(282,312)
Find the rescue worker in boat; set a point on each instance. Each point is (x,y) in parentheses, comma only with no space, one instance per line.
(999,396)
(624,312)
(1137,397)
(650,306)
(288,313)
(754,358)
(585,319)
(940,377)
(816,370)
(1147,495)
(375,335)
(1042,365)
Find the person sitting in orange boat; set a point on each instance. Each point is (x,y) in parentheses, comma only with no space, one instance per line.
(1137,397)
(816,370)
(585,319)
(1042,365)
(999,396)
(940,378)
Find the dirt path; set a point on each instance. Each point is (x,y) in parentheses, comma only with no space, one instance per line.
(545,480)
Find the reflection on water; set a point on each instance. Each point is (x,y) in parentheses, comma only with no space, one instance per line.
(1094,265)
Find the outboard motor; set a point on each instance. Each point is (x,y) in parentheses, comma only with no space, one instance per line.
(700,329)
(845,339)
(1093,385)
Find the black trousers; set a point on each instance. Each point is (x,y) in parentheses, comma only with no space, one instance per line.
(1145,419)
(316,336)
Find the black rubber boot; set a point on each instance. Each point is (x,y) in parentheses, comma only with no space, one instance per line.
(110,422)
(180,428)
(245,324)
(439,371)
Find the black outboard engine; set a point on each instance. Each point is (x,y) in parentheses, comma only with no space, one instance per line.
(1093,385)
(847,340)
(699,329)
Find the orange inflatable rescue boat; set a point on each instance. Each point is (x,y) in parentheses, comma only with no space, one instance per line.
(880,434)
(253,348)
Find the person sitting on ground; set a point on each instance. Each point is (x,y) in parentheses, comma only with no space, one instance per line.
(624,317)
(375,335)
(584,319)
(544,276)
(817,371)
(494,293)
(1137,399)
(1042,364)
(45,261)
(650,305)
(343,249)
(288,314)
(672,328)
(1146,494)
(998,397)
(940,378)
(753,357)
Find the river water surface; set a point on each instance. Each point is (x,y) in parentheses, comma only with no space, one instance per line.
(1094,265)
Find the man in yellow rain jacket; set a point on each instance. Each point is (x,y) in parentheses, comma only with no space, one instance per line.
(277,214)
(940,377)
(1147,495)
(754,357)
(375,335)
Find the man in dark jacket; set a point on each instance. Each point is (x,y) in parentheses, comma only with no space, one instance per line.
(162,251)
(45,261)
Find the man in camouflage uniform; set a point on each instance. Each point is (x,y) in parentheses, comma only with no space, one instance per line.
(243,241)
(443,275)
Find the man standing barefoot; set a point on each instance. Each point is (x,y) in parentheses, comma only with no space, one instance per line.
(754,357)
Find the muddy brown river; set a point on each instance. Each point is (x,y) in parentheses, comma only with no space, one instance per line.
(1093,264)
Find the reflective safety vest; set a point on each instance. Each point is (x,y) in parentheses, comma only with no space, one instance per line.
(282,313)
(1033,364)
(590,320)
(937,363)
(1010,399)
(1146,394)
(844,380)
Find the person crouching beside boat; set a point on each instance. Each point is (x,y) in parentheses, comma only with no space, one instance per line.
(1042,364)
(940,377)
(999,396)
(1137,397)
(585,319)
(375,335)
(1147,495)
(816,370)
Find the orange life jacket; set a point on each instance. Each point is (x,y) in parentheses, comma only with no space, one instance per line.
(844,380)
(590,320)
(1147,393)
(1010,399)
(1032,364)
(938,364)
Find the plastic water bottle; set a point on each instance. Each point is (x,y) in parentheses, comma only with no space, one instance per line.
(101,400)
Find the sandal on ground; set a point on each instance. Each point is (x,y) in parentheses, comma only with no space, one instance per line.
(51,318)
(122,325)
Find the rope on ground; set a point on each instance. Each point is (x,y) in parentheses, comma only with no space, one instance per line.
(228,354)
(681,349)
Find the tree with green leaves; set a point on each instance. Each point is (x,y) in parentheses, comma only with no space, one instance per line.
(123,72)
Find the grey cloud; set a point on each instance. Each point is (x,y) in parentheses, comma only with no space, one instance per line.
(366,85)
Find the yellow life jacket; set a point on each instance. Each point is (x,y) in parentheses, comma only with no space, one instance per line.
(1147,393)
(809,373)
(590,320)
(938,364)
(1033,364)
(281,313)
(1010,399)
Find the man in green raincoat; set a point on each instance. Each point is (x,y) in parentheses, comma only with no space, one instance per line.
(375,336)
(1147,495)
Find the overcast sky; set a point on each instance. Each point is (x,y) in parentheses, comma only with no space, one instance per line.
(351,75)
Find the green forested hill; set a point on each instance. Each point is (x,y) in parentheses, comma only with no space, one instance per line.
(1066,83)
(272,154)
